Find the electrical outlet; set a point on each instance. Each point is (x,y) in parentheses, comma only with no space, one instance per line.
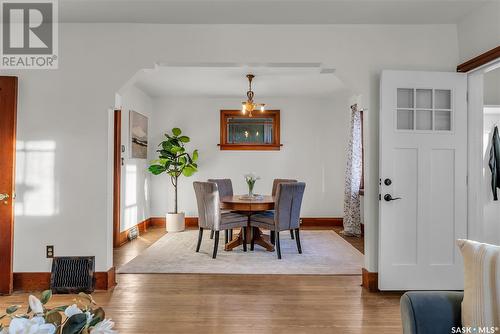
(50,252)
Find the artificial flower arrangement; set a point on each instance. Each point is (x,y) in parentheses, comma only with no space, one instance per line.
(250,179)
(82,317)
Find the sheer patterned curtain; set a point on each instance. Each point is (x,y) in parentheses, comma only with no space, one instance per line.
(352,215)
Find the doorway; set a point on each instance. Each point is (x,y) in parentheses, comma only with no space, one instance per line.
(484,116)
(8,111)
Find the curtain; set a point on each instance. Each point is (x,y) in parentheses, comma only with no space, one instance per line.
(352,215)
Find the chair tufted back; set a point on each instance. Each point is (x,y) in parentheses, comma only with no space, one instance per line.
(278,181)
(207,198)
(225,186)
(287,205)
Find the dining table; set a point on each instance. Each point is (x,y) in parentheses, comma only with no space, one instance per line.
(248,206)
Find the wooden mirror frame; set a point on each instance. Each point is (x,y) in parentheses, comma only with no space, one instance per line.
(274,146)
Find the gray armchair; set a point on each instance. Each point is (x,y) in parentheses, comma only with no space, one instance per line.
(286,215)
(431,312)
(225,189)
(273,192)
(210,216)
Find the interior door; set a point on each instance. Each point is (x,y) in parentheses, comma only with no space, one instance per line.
(8,107)
(423,179)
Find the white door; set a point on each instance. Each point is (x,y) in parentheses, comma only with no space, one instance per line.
(423,179)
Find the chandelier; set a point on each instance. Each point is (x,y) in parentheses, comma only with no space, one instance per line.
(249,105)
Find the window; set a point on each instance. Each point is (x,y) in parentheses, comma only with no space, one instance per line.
(241,132)
(424,110)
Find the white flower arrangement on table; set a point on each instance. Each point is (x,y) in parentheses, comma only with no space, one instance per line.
(82,317)
(250,179)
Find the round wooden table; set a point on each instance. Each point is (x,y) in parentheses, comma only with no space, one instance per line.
(248,206)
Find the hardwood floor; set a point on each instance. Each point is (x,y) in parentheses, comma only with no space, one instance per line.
(163,303)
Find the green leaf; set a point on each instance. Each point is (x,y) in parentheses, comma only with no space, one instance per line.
(188,171)
(177,149)
(61,308)
(46,295)
(157,169)
(195,155)
(176,131)
(75,324)
(184,139)
(11,309)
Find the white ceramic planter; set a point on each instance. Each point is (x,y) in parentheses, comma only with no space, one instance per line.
(175,222)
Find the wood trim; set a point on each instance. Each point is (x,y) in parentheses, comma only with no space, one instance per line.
(321,222)
(117,170)
(224,145)
(241,147)
(480,60)
(369,280)
(158,221)
(39,281)
(123,237)
(105,280)
(8,120)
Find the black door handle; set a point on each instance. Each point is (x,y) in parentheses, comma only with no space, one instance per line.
(388,198)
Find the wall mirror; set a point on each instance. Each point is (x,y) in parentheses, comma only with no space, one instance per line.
(242,132)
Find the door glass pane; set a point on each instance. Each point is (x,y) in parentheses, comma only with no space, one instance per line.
(405,98)
(424,120)
(442,99)
(246,130)
(443,120)
(405,119)
(424,98)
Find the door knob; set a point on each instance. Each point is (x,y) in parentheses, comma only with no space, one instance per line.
(387,182)
(4,197)
(388,198)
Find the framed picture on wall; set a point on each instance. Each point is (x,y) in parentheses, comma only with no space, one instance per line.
(138,135)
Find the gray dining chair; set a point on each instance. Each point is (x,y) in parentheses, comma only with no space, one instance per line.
(225,189)
(210,216)
(286,215)
(273,192)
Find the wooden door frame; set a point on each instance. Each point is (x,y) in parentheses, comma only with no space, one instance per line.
(117,171)
(7,163)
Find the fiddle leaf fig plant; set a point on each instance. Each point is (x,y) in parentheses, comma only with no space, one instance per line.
(174,159)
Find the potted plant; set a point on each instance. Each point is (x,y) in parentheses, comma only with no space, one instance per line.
(175,161)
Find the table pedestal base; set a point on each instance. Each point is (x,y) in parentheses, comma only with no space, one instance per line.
(259,239)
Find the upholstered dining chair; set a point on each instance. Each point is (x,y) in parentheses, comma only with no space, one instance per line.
(225,189)
(286,213)
(210,216)
(275,188)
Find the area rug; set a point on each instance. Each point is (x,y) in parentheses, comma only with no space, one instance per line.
(323,253)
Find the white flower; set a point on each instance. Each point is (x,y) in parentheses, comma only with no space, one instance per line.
(252,177)
(35,325)
(72,310)
(103,327)
(35,304)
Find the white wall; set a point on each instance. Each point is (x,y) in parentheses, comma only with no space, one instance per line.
(135,202)
(69,107)
(491,209)
(492,88)
(479,31)
(314,134)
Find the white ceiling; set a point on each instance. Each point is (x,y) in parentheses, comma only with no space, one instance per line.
(268,12)
(230,82)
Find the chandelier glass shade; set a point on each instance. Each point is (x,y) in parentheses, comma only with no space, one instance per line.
(249,105)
